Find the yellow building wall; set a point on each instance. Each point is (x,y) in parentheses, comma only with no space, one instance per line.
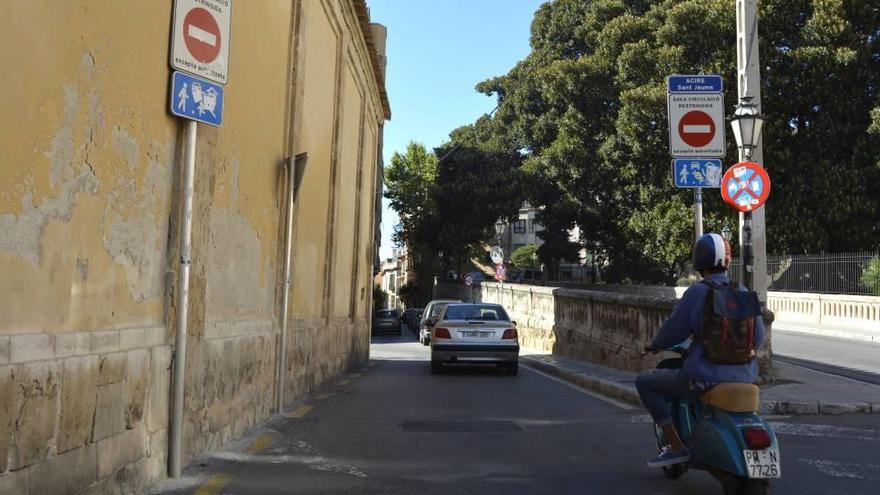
(86,169)
(347,194)
(316,135)
(90,178)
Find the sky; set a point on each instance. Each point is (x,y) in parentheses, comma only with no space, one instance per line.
(438,50)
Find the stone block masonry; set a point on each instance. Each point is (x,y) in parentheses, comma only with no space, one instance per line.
(606,328)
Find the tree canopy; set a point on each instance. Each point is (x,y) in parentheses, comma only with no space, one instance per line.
(588,107)
(581,130)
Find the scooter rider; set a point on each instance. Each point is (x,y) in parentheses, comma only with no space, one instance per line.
(711,259)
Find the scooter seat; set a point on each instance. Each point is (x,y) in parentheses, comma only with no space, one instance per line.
(733,397)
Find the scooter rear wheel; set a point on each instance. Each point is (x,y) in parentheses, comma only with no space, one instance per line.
(733,485)
(674,471)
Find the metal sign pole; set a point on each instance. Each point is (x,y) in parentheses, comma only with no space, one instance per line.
(175,454)
(698,212)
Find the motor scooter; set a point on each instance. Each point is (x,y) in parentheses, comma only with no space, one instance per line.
(724,433)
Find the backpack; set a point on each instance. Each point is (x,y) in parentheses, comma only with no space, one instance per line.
(729,316)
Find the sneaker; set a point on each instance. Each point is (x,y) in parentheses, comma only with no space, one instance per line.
(667,457)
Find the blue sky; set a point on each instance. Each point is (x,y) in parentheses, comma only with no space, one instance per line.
(438,50)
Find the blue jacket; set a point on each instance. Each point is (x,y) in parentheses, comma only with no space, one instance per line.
(687,320)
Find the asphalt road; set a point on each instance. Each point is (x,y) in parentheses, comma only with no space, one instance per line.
(393,428)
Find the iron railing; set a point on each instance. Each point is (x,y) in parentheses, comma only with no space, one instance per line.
(838,273)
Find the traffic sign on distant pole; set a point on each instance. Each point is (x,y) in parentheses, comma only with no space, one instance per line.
(696,116)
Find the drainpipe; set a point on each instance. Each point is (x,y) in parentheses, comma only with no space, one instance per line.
(295,170)
(175,451)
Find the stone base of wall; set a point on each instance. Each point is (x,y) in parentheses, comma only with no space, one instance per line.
(88,413)
(82,411)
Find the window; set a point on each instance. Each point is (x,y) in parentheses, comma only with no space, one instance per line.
(531,226)
(519,227)
(476,312)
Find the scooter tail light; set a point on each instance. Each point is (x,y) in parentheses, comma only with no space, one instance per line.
(756,438)
(441,333)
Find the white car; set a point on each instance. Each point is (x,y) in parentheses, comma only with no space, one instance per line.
(477,334)
(429,316)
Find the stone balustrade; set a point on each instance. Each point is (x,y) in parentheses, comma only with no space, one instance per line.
(609,328)
(827,311)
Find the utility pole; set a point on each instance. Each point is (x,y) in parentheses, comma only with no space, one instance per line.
(752,226)
(698,212)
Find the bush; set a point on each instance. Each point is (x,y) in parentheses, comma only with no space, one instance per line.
(525,256)
(871,276)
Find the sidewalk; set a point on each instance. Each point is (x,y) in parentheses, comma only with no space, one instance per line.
(796,390)
(840,332)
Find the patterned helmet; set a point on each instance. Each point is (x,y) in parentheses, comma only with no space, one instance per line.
(711,251)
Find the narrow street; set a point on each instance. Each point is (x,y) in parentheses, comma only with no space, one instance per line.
(393,428)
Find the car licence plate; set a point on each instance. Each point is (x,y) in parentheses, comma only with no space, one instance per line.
(762,463)
(477,334)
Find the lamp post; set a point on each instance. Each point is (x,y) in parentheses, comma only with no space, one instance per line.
(499,229)
(748,79)
(747,123)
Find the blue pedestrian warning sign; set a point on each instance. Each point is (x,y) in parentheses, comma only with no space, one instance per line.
(696,172)
(196,99)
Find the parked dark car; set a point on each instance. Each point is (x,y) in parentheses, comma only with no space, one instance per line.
(386,321)
(411,317)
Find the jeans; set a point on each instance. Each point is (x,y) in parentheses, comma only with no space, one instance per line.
(656,386)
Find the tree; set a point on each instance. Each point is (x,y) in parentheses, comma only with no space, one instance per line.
(525,256)
(587,111)
(380,298)
(871,276)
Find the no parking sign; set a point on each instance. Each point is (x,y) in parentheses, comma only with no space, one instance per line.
(745,186)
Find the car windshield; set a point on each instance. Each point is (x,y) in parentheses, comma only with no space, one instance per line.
(476,312)
(437,308)
(386,314)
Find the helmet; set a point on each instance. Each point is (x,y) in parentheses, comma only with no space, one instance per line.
(711,251)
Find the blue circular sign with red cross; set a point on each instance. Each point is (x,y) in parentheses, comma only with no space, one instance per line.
(745,186)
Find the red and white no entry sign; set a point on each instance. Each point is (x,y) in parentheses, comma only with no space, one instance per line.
(696,125)
(202,35)
(200,41)
(696,128)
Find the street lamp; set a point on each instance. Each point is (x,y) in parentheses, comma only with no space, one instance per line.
(746,124)
(725,232)
(499,229)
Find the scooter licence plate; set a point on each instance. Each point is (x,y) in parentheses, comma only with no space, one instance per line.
(762,463)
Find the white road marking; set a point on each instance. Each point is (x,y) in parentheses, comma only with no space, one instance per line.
(609,400)
(811,430)
(843,469)
(316,462)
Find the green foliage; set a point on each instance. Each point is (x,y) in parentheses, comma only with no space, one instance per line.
(380,298)
(586,109)
(525,256)
(451,206)
(871,276)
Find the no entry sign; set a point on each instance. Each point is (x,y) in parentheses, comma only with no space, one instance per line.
(745,186)
(696,116)
(200,41)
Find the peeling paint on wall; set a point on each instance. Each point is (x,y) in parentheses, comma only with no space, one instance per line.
(136,241)
(22,233)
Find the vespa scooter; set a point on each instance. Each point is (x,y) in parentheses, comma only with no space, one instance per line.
(725,435)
